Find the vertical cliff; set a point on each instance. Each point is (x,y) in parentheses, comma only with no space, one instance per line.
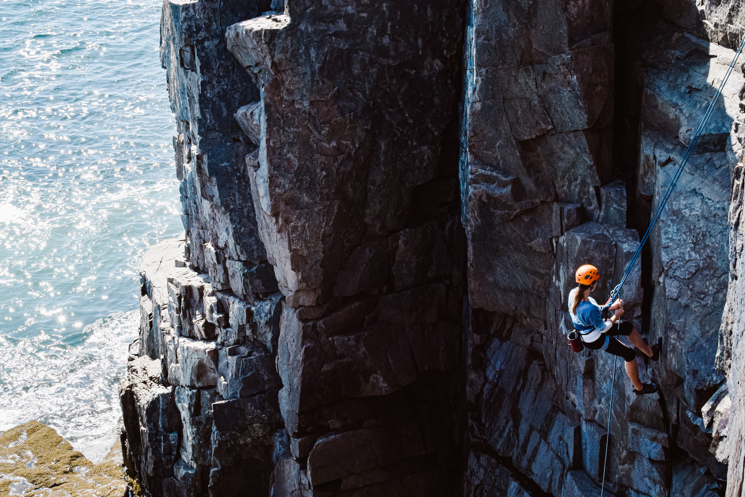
(384,205)
(356,195)
(329,161)
(729,420)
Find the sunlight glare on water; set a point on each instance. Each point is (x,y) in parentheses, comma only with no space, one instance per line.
(86,185)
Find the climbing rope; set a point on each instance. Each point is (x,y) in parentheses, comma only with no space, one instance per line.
(607,433)
(617,290)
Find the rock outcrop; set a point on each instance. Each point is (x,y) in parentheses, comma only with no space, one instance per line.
(384,205)
(200,397)
(356,194)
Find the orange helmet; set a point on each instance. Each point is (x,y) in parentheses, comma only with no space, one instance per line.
(587,274)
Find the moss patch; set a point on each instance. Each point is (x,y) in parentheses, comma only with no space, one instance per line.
(36,461)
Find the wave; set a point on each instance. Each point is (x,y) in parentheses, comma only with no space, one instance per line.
(9,214)
(73,389)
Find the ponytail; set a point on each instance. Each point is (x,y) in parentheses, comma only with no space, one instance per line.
(578,297)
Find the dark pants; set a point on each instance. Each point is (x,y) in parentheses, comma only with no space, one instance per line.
(614,346)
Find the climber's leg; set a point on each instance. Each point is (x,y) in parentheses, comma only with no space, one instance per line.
(639,343)
(615,347)
(633,371)
(627,329)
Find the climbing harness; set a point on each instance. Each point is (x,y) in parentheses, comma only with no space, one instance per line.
(575,336)
(617,290)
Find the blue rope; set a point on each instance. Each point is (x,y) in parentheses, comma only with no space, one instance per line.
(617,290)
(607,432)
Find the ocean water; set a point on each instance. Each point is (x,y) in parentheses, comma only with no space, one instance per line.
(87,183)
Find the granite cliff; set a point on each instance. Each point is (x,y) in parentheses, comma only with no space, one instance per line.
(384,204)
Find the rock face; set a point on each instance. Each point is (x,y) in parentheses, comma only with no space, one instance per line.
(205,83)
(535,407)
(356,194)
(731,422)
(384,206)
(690,246)
(357,158)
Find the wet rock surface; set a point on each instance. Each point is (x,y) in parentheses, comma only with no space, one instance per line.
(35,460)
(384,206)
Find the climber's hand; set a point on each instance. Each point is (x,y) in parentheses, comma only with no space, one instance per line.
(618,303)
(619,312)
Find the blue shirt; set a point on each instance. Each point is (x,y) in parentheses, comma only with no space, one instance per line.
(588,315)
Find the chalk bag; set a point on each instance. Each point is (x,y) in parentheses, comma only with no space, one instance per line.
(575,342)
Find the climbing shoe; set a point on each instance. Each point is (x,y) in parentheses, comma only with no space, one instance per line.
(647,388)
(656,349)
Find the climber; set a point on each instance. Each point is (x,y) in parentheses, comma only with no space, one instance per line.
(599,334)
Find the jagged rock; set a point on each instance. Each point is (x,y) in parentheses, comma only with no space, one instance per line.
(249,117)
(195,407)
(205,85)
(152,424)
(250,280)
(247,370)
(197,366)
(194,440)
(266,316)
(155,318)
